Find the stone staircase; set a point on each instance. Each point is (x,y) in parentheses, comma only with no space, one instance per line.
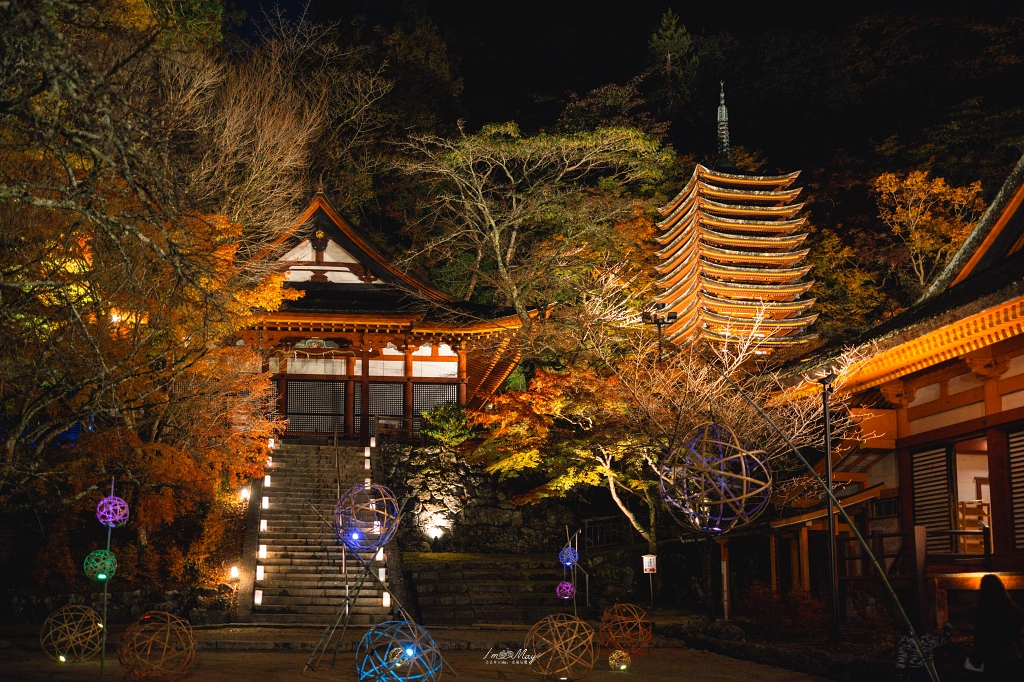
(303,581)
(499,589)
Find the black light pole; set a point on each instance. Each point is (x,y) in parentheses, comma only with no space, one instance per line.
(659,320)
(833,572)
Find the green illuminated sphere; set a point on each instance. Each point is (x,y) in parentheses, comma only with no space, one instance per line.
(100,565)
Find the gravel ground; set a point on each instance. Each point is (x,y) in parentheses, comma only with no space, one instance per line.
(675,665)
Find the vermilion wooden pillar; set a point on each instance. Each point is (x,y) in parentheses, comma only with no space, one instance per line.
(364,387)
(1002,499)
(407,396)
(461,350)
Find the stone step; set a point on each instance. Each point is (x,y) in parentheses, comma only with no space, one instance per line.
(326,609)
(275,617)
(303,578)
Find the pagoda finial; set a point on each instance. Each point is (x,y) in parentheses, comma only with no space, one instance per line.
(723,127)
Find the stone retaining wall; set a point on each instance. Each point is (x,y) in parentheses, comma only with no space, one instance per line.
(201,606)
(467,508)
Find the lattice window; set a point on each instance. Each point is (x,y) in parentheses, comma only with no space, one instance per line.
(316,406)
(426,396)
(357,407)
(933,495)
(1017,486)
(386,400)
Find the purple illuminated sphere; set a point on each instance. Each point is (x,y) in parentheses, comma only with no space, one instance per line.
(565,590)
(112,511)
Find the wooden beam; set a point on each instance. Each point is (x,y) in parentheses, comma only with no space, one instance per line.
(864,495)
(850,477)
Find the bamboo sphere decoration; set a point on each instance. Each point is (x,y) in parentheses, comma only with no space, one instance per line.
(564,647)
(626,627)
(366,517)
(158,647)
(72,634)
(568,556)
(100,565)
(112,511)
(398,651)
(619,660)
(712,483)
(565,590)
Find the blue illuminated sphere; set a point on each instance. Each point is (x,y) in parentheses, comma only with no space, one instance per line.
(568,556)
(398,651)
(366,517)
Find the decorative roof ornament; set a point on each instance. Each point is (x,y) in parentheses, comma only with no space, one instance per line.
(315,343)
(723,130)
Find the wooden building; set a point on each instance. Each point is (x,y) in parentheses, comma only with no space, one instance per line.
(369,345)
(731,257)
(938,477)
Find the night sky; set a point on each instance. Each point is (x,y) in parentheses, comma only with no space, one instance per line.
(519,60)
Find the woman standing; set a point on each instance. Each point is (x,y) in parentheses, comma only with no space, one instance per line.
(997,643)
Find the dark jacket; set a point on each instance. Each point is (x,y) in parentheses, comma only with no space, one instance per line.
(997,637)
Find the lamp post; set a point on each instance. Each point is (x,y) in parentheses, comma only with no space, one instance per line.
(659,320)
(833,572)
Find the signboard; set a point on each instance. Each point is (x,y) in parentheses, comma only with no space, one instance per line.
(650,563)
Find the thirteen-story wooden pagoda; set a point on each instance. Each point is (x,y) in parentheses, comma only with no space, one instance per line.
(731,256)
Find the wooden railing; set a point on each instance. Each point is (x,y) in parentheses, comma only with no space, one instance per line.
(854,564)
(984,557)
(607,531)
(397,429)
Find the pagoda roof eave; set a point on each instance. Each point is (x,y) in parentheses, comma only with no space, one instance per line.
(670,223)
(770,341)
(409,322)
(781,181)
(781,196)
(798,322)
(745,225)
(757,289)
(678,198)
(753,273)
(786,211)
(752,241)
(719,303)
(751,256)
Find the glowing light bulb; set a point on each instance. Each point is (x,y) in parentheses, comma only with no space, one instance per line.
(234,572)
(355,536)
(244,493)
(101,576)
(62,659)
(409,651)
